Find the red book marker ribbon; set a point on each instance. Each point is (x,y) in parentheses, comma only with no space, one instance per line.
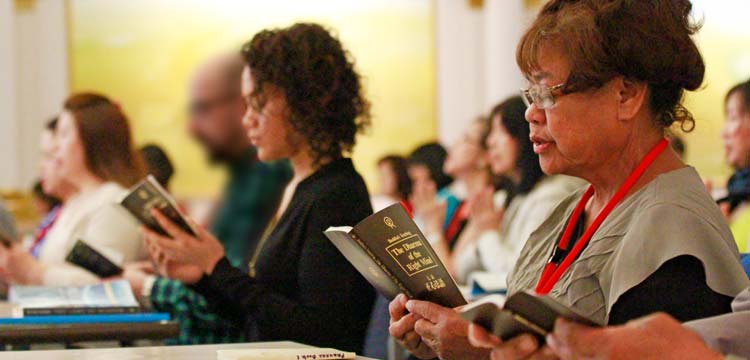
(553,272)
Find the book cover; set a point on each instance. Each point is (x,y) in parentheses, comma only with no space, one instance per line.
(107,294)
(390,251)
(149,194)
(85,256)
(521,313)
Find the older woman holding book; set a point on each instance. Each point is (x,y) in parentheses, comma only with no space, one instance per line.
(645,236)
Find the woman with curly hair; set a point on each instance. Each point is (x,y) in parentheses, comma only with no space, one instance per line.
(305,103)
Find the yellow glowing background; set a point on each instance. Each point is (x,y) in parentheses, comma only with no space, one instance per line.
(142,52)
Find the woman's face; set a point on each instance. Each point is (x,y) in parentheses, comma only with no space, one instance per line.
(267,123)
(467,153)
(48,172)
(736,133)
(388,179)
(502,148)
(70,157)
(581,131)
(419,175)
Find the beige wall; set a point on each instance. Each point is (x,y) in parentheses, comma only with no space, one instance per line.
(33,83)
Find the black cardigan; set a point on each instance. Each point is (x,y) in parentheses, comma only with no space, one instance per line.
(304,290)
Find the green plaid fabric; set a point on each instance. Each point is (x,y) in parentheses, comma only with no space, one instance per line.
(198,325)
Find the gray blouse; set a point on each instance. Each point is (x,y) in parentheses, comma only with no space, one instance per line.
(671,216)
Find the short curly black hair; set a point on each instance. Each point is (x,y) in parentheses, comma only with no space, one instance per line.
(322,89)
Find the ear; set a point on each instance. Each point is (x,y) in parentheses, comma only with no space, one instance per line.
(632,97)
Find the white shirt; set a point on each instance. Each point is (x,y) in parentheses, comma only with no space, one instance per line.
(496,251)
(96,218)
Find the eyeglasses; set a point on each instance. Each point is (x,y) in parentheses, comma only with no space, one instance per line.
(540,95)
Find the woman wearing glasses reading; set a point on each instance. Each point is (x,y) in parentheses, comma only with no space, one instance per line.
(607,81)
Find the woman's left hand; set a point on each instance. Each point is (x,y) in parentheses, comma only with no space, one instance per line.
(180,248)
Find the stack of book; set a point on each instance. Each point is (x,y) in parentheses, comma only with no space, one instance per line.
(107,302)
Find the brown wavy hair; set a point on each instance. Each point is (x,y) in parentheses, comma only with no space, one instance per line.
(642,40)
(104,131)
(322,89)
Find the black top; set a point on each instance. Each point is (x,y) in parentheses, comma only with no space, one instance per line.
(304,290)
(677,288)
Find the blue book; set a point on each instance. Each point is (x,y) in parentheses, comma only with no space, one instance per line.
(86,319)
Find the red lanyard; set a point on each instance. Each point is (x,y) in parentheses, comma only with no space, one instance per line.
(552,271)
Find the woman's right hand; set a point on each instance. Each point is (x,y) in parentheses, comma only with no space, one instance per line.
(402,329)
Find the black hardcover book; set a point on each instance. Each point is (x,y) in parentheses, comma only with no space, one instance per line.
(88,258)
(147,195)
(390,251)
(521,313)
(81,310)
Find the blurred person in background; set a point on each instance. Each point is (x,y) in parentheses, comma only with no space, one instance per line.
(736,137)
(94,153)
(52,186)
(250,197)
(466,162)
(425,168)
(157,164)
(395,184)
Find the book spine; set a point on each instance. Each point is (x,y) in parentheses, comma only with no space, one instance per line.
(395,280)
(87,319)
(80,311)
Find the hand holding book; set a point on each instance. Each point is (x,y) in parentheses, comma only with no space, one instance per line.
(181,255)
(430,330)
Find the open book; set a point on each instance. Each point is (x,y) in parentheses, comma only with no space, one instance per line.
(147,195)
(520,313)
(390,251)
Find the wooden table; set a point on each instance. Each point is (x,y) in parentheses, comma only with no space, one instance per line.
(195,352)
(73,333)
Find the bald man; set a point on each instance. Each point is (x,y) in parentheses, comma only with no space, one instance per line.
(250,198)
